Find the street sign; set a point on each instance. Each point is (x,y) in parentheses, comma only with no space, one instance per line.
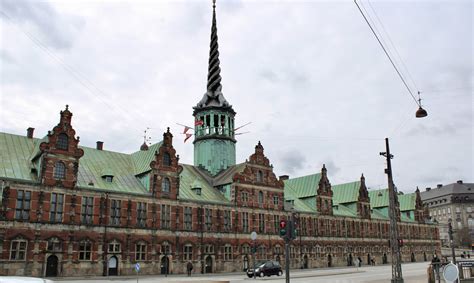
(253,236)
(450,272)
(137,267)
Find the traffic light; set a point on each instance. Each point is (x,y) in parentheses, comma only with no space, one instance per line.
(283,228)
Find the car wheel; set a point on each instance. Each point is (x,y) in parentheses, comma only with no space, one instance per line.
(280,273)
(249,275)
(262,274)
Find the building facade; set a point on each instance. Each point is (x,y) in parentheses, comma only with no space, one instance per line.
(72,210)
(455,203)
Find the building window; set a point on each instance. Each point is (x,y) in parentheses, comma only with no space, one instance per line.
(227,252)
(227,221)
(165,185)
(208,249)
(245,197)
(85,250)
(188,218)
(245,249)
(114,247)
(115,206)
(166,159)
(261,253)
(62,142)
(18,249)
(165,248)
(59,171)
(140,251)
(188,252)
(276,223)
(109,179)
(165,216)
(87,209)
(208,219)
(245,222)
(275,200)
(277,250)
(260,197)
(56,210)
(141,214)
(54,245)
(259,176)
(22,211)
(261,223)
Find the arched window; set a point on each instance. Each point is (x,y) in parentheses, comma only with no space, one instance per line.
(260,197)
(166,159)
(62,142)
(59,171)
(165,185)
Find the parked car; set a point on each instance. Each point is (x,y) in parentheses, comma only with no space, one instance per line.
(21,279)
(266,268)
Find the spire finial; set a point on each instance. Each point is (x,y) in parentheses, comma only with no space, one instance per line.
(214,71)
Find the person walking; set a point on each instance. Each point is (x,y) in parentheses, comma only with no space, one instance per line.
(189,268)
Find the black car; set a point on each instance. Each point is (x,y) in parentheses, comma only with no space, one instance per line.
(267,268)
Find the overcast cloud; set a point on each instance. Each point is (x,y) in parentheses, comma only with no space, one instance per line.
(309,75)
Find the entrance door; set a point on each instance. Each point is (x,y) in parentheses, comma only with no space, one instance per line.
(208,264)
(165,264)
(52,266)
(113,266)
(368,259)
(305,261)
(349,260)
(329,260)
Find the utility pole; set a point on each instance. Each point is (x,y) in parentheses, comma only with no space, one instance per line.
(394,244)
(451,240)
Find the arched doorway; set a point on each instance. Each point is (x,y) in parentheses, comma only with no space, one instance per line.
(368,259)
(208,268)
(305,261)
(246,263)
(384,258)
(52,266)
(413,259)
(350,260)
(165,265)
(329,260)
(113,266)
(424,256)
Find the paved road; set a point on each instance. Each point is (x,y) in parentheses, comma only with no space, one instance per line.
(412,273)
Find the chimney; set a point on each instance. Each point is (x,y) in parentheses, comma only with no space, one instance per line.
(29,132)
(100,145)
(428,189)
(459,182)
(284,177)
(439,186)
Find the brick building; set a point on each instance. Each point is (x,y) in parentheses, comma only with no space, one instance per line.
(71,210)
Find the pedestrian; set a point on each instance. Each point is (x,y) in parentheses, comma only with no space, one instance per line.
(359,260)
(189,268)
(372,260)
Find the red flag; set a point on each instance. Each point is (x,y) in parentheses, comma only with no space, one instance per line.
(198,123)
(186,128)
(187,137)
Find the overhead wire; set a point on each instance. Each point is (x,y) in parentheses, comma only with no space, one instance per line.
(388,55)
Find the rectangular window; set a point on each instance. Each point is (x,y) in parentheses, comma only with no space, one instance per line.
(87,209)
(245,222)
(449,210)
(141,214)
(261,223)
(140,252)
(245,197)
(85,251)
(468,209)
(188,218)
(56,211)
(165,216)
(227,253)
(227,221)
(115,208)
(18,250)
(276,223)
(114,247)
(275,200)
(458,209)
(23,205)
(208,219)
(188,252)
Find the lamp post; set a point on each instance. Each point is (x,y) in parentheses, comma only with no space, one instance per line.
(451,240)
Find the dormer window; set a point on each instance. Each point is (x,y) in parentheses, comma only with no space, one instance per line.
(62,142)
(59,171)
(165,185)
(197,191)
(109,179)
(166,159)
(259,176)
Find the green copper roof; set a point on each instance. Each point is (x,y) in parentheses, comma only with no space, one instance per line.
(15,153)
(378,198)
(379,214)
(342,210)
(305,186)
(407,201)
(225,177)
(191,176)
(346,193)
(143,158)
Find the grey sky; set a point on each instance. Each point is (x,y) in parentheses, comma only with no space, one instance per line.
(309,75)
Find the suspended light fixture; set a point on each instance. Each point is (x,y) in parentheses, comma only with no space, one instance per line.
(420,113)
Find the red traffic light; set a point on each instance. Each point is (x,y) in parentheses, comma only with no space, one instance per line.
(282,224)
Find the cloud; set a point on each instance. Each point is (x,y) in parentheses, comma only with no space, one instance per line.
(292,161)
(58,31)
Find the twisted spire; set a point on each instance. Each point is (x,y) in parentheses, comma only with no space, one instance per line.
(214,72)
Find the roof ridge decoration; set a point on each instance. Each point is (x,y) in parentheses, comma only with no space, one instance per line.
(213,97)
